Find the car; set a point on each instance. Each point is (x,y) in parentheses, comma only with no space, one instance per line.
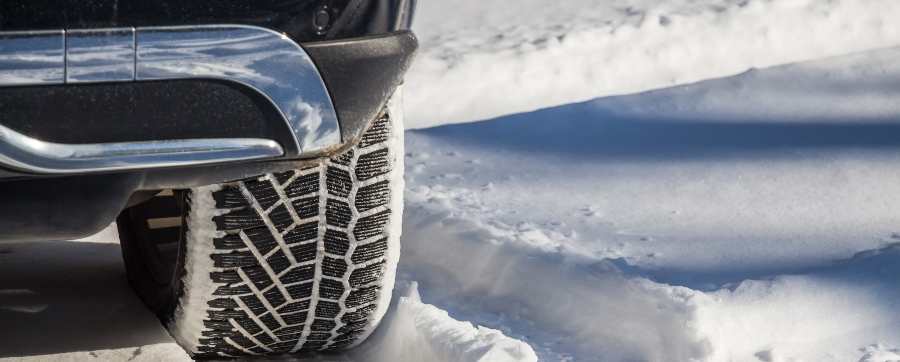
(249,153)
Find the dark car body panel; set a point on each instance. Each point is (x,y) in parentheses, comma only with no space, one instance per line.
(302,20)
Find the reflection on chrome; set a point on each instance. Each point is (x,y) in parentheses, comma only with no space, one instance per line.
(101,55)
(261,59)
(30,58)
(30,155)
(267,62)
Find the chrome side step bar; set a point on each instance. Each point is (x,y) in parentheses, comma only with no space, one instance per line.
(266,62)
(23,153)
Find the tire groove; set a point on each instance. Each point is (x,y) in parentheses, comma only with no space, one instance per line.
(320,255)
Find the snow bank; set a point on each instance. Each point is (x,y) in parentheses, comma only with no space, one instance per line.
(485,58)
(598,311)
(415,331)
(565,311)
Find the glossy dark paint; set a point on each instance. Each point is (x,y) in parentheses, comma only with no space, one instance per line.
(361,74)
(302,20)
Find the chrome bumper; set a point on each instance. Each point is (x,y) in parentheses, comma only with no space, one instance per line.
(266,62)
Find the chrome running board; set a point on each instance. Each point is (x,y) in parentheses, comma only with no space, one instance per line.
(266,62)
(24,153)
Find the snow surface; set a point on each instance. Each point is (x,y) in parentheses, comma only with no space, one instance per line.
(740,219)
(754,217)
(485,58)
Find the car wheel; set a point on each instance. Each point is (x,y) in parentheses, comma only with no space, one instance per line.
(295,262)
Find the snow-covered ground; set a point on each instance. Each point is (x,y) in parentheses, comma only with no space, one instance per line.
(486,58)
(739,219)
(749,217)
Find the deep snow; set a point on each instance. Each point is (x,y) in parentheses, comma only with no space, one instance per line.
(747,218)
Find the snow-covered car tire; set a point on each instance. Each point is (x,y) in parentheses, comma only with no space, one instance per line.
(295,262)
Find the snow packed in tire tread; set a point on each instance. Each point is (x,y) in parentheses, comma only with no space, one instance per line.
(300,265)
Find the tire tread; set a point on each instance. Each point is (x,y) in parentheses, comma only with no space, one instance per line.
(301,255)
